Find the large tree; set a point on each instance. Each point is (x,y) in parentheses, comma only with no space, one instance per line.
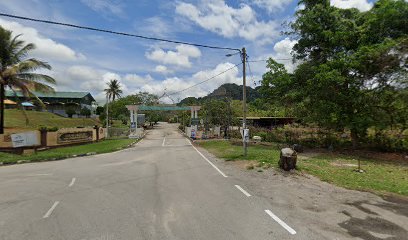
(353,66)
(18,72)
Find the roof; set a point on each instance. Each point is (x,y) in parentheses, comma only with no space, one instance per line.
(72,95)
(266,118)
(9,102)
(27,104)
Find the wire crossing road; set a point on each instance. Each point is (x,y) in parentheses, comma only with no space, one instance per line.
(163,188)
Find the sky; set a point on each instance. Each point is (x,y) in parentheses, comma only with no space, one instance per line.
(85,60)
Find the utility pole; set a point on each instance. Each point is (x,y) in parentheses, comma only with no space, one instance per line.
(107,116)
(244,99)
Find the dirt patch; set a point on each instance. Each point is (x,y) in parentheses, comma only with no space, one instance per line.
(242,164)
(373,228)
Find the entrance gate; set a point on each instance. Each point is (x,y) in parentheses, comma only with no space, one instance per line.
(133,109)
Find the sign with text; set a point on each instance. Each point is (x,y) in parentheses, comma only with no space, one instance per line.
(72,137)
(25,139)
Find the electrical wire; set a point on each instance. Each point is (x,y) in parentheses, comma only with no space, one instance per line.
(250,73)
(276,59)
(211,78)
(115,32)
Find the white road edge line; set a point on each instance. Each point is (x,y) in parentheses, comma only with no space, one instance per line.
(164,140)
(282,223)
(212,164)
(40,174)
(51,209)
(243,191)
(188,142)
(72,182)
(138,142)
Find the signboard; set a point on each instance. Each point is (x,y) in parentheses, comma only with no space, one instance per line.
(245,135)
(133,125)
(72,137)
(25,139)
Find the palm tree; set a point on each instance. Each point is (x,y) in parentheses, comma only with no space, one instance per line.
(18,72)
(112,92)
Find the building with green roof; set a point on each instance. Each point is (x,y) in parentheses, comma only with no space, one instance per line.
(57,102)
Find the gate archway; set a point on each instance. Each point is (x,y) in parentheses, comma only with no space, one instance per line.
(133,109)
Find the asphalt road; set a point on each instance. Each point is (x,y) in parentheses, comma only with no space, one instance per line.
(163,188)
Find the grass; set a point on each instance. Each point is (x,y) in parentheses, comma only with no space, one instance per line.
(65,152)
(380,177)
(14,119)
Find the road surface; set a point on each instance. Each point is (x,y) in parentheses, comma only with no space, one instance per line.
(163,188)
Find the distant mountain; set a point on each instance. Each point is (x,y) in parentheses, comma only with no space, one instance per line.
(230,90)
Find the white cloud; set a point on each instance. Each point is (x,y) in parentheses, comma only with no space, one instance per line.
(272,5)
(155,26)
(180,57)
(175,84)
(218,17)
(47,49)
(135,80)
(281,53)
(362,5)
(105,6)
(162,69)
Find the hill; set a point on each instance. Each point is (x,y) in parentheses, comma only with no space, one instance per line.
(231,90)
(15,120)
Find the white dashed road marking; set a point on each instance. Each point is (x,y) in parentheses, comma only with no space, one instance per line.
(72,182)
(282,223)
(243,191)
(51,209)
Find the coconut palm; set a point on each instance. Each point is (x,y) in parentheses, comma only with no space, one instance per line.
(18,72)
(114,90)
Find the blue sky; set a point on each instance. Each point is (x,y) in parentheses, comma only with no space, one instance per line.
(85,61)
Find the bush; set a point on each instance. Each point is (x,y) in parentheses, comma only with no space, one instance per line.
(99,110)
(85,112)
(70,111)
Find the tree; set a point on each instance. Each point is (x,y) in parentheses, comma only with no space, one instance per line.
(85,112)
(99,110)
(18,72)
(70,111)
(118,107)
(114,90)
(353,64)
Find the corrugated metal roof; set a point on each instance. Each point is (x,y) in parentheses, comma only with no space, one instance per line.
(73,95)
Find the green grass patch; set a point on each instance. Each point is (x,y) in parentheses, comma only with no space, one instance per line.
(379,176)
(15,119)
(64,152)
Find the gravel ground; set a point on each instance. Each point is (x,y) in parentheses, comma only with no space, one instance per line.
(331,212)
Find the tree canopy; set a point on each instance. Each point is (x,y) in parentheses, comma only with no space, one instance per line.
(353,67)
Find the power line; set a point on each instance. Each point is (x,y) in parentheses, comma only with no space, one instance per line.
(115,32)
(276,59)
(250,73)
(174,93)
